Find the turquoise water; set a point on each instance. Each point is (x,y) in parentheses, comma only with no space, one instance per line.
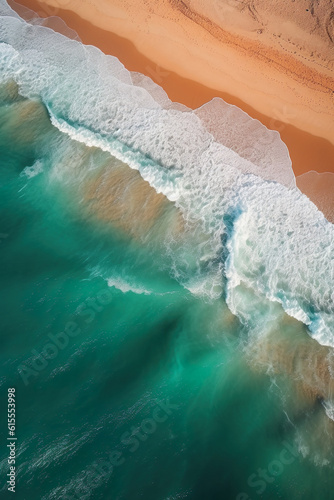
(151,352)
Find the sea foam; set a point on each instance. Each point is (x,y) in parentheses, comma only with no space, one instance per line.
(222,169)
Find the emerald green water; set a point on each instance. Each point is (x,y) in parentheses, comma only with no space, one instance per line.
(145,393)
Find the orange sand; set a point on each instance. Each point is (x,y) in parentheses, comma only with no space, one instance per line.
(284,71)
(308,152)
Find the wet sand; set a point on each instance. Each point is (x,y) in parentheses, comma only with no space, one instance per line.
(307,152)
(276,61)
(320,189)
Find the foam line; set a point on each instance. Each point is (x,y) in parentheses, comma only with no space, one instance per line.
(222,169)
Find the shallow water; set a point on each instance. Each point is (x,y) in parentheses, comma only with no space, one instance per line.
(144,311)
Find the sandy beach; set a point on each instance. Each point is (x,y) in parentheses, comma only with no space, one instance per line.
(195,62)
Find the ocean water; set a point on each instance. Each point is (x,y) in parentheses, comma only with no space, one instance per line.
(167,307)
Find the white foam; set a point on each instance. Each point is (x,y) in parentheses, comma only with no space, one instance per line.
(283,248)
(32,171)
(125,287)
(53,22)
(329,409)
(226,172)
(6,10)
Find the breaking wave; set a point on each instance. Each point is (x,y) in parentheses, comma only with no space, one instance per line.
(260,240)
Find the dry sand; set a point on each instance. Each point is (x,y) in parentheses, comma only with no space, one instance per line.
(194,59)
(263,53)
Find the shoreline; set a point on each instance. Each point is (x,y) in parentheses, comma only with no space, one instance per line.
(312,157)
(307,152)
(289,83)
